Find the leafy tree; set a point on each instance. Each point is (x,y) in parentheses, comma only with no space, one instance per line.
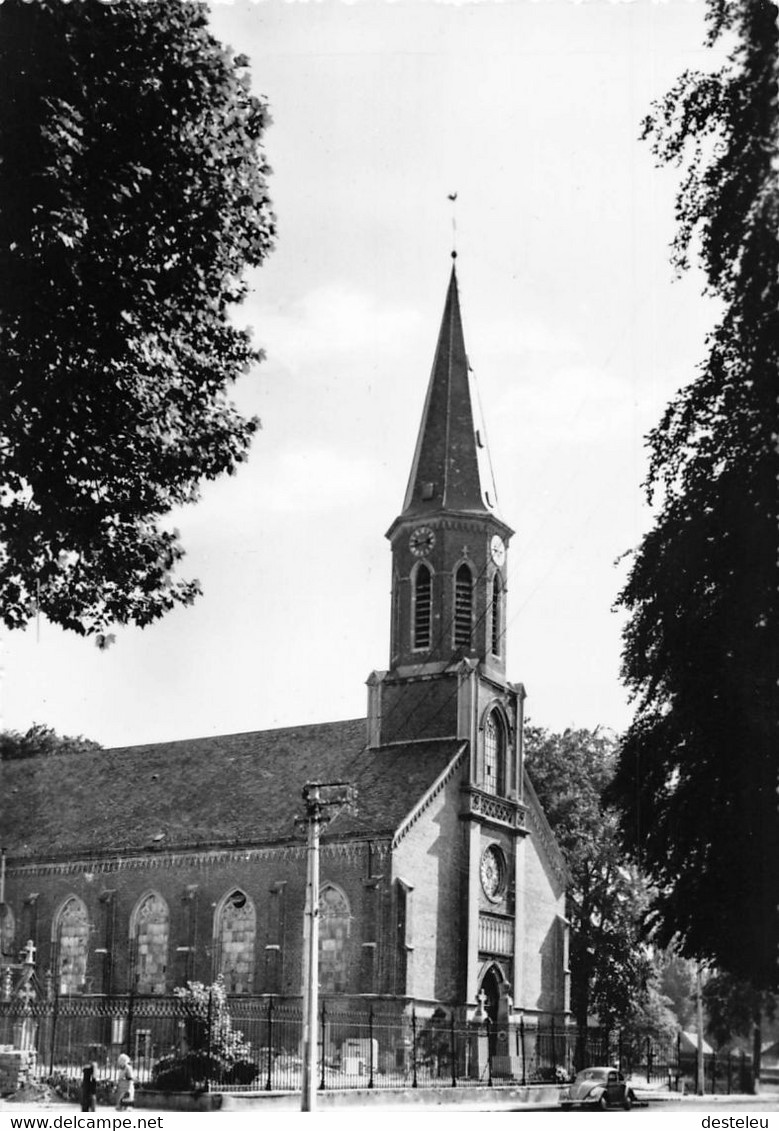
(733,1009)
(653,1017)
(676,980)
(41,742)
(132,197)
(610,966)
(697,776)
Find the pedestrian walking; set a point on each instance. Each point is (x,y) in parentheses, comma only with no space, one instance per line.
(125,1089)
(89,1087)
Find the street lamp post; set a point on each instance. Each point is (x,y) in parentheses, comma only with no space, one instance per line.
(323,801)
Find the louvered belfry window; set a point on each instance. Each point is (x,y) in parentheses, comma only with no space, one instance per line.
(490,753)
(463,607)
(423,606)
(497,627)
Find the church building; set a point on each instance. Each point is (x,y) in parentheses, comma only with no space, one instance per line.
(141,868)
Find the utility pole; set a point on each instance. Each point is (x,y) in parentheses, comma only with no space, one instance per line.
(323,801)
(700,1064)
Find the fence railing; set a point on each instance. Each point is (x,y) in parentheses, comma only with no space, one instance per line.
(651,1061)
(374,1046)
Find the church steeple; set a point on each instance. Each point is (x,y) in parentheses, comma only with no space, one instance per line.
(447,670)
(449,542)
(451,469)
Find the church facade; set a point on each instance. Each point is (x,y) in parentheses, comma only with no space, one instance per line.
(139,869)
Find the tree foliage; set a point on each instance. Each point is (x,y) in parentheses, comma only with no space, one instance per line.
(697,776)
(213,1032)
(41,742)
(216,1053)
(653,1016)
(132,197)
(676,979)
(610,966)
(733,1010)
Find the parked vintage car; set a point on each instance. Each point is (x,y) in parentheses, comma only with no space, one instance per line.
(599,1087)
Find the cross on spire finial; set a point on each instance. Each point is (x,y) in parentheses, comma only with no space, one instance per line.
(453,197)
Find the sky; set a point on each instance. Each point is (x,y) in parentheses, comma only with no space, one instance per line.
(576,328)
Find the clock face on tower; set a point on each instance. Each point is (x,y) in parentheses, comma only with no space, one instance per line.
(492,872)
(497,550)
(421,541)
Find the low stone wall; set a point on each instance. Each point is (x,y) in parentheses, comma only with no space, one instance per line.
(16,1067)
(544,1095)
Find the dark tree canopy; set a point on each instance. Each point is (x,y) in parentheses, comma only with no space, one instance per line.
(732,1008)
(697,777)
(132,197)
(606,899)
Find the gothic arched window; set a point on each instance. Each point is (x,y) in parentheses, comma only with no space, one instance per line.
(149,929)
(423,606)
(334,927)
(236,930)
(463,607)
(497,615)
(71,942)
(494,754)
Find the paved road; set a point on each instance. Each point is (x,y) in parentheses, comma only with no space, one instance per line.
(741,1104)
(717,1104)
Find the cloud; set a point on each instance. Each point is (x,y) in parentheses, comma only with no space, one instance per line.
(330,322)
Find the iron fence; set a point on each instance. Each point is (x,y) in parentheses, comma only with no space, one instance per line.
(669,1062)
(375,1045)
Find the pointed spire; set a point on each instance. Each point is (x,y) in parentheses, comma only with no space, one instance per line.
(451,469)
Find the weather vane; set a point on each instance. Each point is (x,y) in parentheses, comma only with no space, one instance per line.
(453,198)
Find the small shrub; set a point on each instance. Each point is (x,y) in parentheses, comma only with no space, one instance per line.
(218,1054)
(194,1070)
(242,1072)
(69,1088)
(181,1073)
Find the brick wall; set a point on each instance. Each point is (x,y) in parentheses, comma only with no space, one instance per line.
(15,1064)
(194,887)
(422,708)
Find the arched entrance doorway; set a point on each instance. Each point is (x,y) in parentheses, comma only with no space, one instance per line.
(490,987)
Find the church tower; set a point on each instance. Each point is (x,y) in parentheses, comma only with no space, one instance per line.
(447,674)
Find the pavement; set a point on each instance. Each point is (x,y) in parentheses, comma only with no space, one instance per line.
(656,1097)
(660,1093)
(494,1099)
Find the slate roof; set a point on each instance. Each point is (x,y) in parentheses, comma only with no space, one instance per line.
(226,790)
(451,469)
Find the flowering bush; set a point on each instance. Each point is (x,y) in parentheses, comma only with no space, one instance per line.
(217,1053)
